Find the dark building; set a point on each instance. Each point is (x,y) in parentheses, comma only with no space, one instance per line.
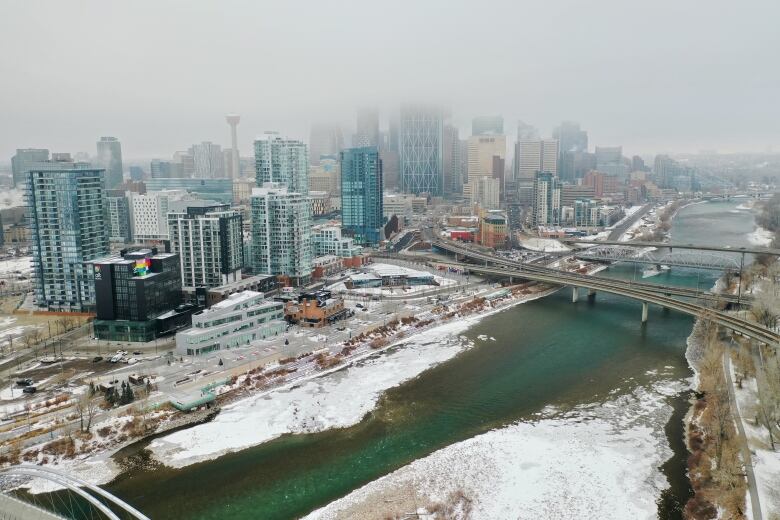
(138,296)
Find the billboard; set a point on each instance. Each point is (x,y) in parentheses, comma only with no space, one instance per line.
(142,267)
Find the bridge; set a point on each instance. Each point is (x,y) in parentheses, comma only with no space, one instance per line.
(685,258)
(675,245)
(511,269)
(81,499)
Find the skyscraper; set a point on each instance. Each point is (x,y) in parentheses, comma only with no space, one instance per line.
(232,120)
(526,131)
(68,227)
(208,161)
(535,155)
(453,175)
(571,139)
(367,128)
(118,221)
(25,159)
(282,160)
(109,157)
(547,199)
(487,125)
(421,149)
(609,160)
(486,192)
(210,245)
(361,194)
(324,139)
(281,234)
(482,150)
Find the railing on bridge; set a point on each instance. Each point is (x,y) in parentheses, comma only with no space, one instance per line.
(684,258)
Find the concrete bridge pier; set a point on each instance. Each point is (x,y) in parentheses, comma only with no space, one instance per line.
(575,293)
(644,312)
(591,294)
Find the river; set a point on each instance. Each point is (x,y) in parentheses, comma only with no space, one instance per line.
(552,393)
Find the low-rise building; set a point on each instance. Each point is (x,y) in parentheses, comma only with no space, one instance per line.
(327,239)
(206,297)
(236,321)
(315,309)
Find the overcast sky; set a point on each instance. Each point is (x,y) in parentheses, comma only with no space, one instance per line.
(662,75)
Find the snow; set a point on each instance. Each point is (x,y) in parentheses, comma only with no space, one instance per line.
(598,461)
(12,198)
(761,237)
(336,400)
(16,265)
(544,244)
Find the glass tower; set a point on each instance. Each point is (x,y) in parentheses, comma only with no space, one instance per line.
(282,160)
(361,194)
(421,150)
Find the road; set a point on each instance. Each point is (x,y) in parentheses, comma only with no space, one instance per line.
(616,233)
(747,458)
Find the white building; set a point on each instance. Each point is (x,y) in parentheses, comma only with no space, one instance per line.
(149,212)
(535,155)
(282,160)
(237,321)
(486,191)
(401,206)
(328,241)
(482,150)
(208,161)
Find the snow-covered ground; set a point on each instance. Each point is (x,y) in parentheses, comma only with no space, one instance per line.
(544,244)
(766,463)
(12,267)
(11,198)
(761,237)
(598,461)
(337,400)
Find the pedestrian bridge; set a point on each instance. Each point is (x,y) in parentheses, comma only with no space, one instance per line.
(681,258)
(79,499)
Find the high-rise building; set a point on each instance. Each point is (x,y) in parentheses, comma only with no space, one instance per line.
(25,159)
(324,139)
(186,162)
(482,150)
(361,194)
(149,212)
(526,131)
(281,234)
(367,133)
(486,193)
(453,176)
(235,166)
(67,210)
(209,242)
(160,169)
(326,176)
(571,139)
(535,155)
(208,161)
(547,199)
(109,157)
(282,160)
(421,149)
(609,160)
(487,125)
(118,216)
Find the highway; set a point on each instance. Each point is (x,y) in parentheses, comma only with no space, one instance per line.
(619,287)
(616,233)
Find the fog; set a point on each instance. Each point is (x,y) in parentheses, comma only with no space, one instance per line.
(668,75)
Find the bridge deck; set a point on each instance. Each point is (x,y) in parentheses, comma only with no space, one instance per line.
(672,245)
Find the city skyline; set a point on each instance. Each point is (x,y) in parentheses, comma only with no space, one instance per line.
(650,95)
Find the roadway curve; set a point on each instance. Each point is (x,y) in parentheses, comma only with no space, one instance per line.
(619,287)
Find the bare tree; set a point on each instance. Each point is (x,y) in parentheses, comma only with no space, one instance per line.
(86,408)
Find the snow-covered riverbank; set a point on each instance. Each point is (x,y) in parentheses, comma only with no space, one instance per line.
(597,461)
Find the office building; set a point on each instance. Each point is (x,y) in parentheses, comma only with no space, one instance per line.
(326,175)
(159,169)
(23,161)
(572,192)
(361,194)
(482,150)
(535,155)
(571,139)
(208,161)
(220,190)
(118,217)
(281,234)
(324,140)
(67,210)
(451,164)
(547,200)
(400,205)
(282,160)
(209,242)
(486,193)
(235,163)
(492,229)
(149,212)
(367,133)
(109,157)
(133,291)
(526,131)
(186,162)
(487,125)
(421,151)
(237,321)
(609,160)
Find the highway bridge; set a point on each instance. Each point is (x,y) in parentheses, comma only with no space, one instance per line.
(79,499)
(675,245)
(622,288)
(685,258)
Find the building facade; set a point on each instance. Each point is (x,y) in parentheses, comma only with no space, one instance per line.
(421,151)
(547,200)
(238,320)
(118,217)
(109,157)
(282,160)
(483,149)
(24,160)
(68,228)
(220,190)
(327,240)
(361,194)
(209,242)
(208,160)
(281,234)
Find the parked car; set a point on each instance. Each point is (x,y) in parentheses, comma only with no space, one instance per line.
(97,358)
(29,390)
(137,353)
(24,382)
(116,358)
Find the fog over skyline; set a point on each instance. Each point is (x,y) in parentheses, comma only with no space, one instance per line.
(666,76)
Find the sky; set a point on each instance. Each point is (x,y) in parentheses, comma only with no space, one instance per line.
(662,76)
